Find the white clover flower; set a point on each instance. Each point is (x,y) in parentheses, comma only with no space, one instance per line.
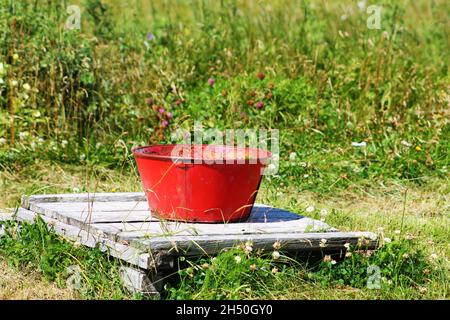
(27,87)
(361,5)
(359,144)
(64,143)
(22,135)
(347,246)
(277,245)
(76,189)
(13,83)
(2,141)
(406,143)
(387,240)
(333,261)
(322,243)
(309,209)
(292,156)
(380,229)
(305,175)
(275,255)
(248,249)
(397,231)
(409,236)
(323,212)
(433,257)
(348,254)
(422,290)
(237,259)
(205,266)
(271,167)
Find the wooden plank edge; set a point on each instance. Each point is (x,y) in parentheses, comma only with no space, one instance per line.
(3,218)
(131,235)
(82,197)
(289,242)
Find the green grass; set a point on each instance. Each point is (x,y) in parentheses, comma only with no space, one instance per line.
(236,274)
(90,272)
(74,102)
(422,219)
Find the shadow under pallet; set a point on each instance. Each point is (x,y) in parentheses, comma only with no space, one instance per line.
(122,225)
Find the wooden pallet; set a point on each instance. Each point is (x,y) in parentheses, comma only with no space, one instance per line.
(122,224)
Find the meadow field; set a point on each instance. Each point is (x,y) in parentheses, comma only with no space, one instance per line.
(362,107)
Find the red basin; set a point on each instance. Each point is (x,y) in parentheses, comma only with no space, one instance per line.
(196,186)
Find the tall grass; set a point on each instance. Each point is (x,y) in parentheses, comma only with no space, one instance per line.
(328,70)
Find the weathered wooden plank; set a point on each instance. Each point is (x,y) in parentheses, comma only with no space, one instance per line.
(260,213)
(3,218)
(96,206)
(83,212)
(138,211)
(125,232)
(83,197)
(129,231)
(137,281)
(82,218)
(289,241)
(123,252)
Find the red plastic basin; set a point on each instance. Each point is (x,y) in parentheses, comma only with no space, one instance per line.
(195,186)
